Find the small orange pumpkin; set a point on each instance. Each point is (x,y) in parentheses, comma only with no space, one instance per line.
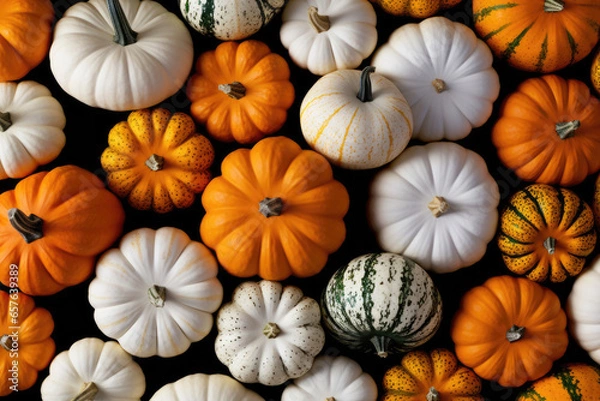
(275,211)
(53,224)
(25,36)
(547,131)
(509,330)
(157,160)
(415,8)
(432,376)
(572,381)
(240,91)
(25,343)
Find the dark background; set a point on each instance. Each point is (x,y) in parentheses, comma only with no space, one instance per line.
(87,129)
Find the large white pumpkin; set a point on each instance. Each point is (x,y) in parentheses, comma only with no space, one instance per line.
(31,128)
(583,310)
(323,35)
(435,204)
(446,74)
(356,119)
(156,293)
(120,58)
(203,387)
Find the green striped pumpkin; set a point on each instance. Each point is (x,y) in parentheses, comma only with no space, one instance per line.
(381,301)
(571,382)
(538,35)
(229,19)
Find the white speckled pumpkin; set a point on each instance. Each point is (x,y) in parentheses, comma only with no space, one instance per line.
(229,19)
(268,333)
(435,204)
(446,74)
(156,293)
(204,387)
(323,35)
(357,120)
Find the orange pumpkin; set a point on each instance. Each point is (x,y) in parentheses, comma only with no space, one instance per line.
(541,35)
(25,340)
(546,232)
(434,375)
(547,131)
(595,72)
(572,381)
(26,33)
(52,226)
(596,204)
(415,8)
(240,91)
(509,330)
(276,211)
(157,160)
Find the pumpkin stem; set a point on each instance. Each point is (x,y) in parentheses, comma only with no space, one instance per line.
(554,6)
(550,245)
(4,342)
(567,129)
(270,207)
(381,345)
(433,394)
(124,35)
(330,399)
(88,393)
(157,295)
(155,162)
(438,206)
(271,330)
(5,121)
(365,93)
(319,22)
(30,227)
(515,333)
(439,85)
(234,90)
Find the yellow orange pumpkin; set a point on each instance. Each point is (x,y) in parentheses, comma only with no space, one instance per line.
(571,381)
(415,8)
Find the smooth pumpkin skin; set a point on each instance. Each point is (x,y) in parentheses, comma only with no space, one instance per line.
(184,171)
(420,371)
(415,8)
(81,219)
(539,212)
(486,315)
(261,111)
(529,38)
(572,381)
(296,242)
(527,137)
(22,48)
(35,346)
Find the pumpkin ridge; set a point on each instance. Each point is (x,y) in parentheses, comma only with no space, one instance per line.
(317,98)
(327,121)
(572,45)
(580,209)
(512,46)
(539,66)
(541,211)
(487,11)
(569,383)
(521,216)
(345,137)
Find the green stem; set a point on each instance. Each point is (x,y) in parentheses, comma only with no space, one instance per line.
(235,90)
(5,121)
(550,245)
(365,93)
(155,162)
(157,295)
(30,227)
(567,129)
(554,6)
(270,207)
(320,23)
(124,35)
(88,393)
(271,330)
(381,345)
(515,333)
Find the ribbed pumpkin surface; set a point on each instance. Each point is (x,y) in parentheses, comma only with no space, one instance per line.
(571,382)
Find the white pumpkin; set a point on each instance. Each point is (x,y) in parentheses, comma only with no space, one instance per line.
(120,58)
(229,19)
(203,387)
(31,128)
(332,378)
(156,293)
(435,204)
(583,310)
(268,333)
(92,369)
(323,35)
(446,74)
(357,120)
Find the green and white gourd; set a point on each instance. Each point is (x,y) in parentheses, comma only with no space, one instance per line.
(229,19)
(383,302)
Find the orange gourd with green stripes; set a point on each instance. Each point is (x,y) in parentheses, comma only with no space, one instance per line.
(538,35)
(415,8)
(546,233)
(432,376)
(570,382)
